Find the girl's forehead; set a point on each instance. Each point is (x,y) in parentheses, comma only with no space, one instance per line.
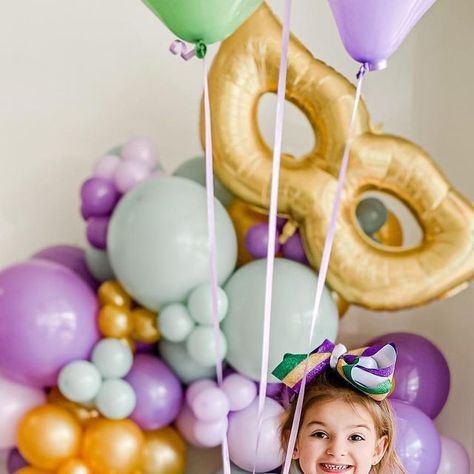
(338,413)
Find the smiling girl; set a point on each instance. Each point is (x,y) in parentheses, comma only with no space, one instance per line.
(346,424)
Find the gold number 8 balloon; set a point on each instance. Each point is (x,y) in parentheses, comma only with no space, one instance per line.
(362,271)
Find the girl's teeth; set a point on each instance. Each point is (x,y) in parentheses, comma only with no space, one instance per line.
(333,466)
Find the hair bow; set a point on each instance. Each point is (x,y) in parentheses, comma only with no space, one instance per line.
(369,369)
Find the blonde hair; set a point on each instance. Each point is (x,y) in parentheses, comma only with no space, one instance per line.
(328,387)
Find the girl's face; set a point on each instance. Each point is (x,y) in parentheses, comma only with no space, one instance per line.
(336,437)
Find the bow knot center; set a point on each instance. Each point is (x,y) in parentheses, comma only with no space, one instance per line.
(338,351)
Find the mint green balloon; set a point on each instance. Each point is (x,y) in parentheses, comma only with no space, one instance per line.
(158,241)
(208,21)
(195,170)
(294,288)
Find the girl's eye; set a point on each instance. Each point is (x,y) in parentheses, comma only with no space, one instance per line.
(356,437)
(320,434)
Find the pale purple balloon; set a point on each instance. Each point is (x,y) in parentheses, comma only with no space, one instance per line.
(106,167)
(140,150)
(293,249)
(185,423)
(418,442)
(281,221)
(158,391)
(99,197)
(145,348)
(256,240)
(274,390)
(372,30)
(240,391)
(210,433)
(47,319)
(422,376)
(242,437)
(196,388)
(210,404)
(454,458)
(72,257)
(129,174)
(96,232)
(15,461)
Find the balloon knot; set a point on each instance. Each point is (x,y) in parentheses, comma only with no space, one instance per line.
(201,49)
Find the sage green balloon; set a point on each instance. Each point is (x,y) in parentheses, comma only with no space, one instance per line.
(208,21)
(195,170)
(294,289)
(158,241)
(98,264)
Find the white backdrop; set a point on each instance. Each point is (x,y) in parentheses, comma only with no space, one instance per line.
(77,78)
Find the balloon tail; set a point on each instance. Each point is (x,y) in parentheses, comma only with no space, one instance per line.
(323,269)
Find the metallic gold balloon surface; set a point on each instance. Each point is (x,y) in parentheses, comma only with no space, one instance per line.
(113,446)
(362,271)
(48,435)
(32,470)
(82,413)
(391,233)
(112,292)
(145,326)
(74,466)
(164,452)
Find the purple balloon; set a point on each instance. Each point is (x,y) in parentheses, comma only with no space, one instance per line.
(422,377)
(47,319)
(15,461)
(256,240)
(454,458)
(418,442)
(141,150)
(158,390)
(293,249)
(96,232)
(99,197)
(72,257)
(372,30)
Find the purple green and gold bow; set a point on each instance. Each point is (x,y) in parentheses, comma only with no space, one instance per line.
(369,369)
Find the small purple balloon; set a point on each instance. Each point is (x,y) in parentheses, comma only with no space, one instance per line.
(418,442)
(210,433)
(195,388)
(210,404)
(454,458)
(96,232)
(99,197)
(256,240)
(142,150)
(293,249)
(422,376)
(372,30)
(106,166)
(15,461)
(185,423)
(129,174)
(47,319)
(240,390)
(158,391)
(72,257)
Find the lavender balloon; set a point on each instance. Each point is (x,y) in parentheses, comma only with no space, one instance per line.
(47,319)
(372,30)
(418,442)
(421,374)
(454,458)
(96,232)
(256,240)
(293,249)
(72,257)
(158,392)
(99,197)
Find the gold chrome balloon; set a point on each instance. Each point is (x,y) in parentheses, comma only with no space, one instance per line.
(113,446)
(112,292)
(32,470)
(362,271)
(48,435)
(74,466)
(115,321)
(164,452)
(145,328)
(391,233)
(82,413)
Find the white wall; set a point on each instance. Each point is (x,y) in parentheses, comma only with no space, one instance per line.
(77,78)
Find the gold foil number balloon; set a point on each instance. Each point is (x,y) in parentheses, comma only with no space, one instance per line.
(362,271)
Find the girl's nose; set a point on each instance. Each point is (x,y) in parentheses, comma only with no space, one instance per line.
(337,447)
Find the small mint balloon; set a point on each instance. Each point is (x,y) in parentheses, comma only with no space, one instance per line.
(79,381)
(112,358)
(205,21)
(116,399)
(200,304)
